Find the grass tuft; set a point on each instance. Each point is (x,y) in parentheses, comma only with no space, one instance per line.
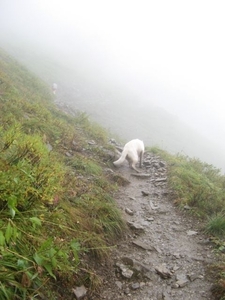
(216,225)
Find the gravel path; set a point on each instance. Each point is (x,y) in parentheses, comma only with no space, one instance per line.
(164,255)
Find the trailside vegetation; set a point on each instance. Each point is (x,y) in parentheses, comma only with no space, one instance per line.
(56,203)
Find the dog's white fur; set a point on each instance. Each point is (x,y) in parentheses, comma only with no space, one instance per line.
(132,152)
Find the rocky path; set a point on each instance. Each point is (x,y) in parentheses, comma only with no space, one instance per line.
(164,255)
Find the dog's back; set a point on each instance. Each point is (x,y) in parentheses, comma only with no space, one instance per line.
(132,151)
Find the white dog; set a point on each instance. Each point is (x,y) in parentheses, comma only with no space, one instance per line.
(132,152)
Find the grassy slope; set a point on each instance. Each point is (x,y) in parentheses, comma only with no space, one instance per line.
(56,202)
(57,206)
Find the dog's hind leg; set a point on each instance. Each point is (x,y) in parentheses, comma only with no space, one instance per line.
(141,159)
(132,164)
(134,168)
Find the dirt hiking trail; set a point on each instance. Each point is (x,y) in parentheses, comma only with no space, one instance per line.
(163,255)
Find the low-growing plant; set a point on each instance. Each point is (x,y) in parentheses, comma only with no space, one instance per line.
(28,171)
(29,256)
(85,165)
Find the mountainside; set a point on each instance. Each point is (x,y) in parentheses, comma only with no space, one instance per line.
(59,220)
(118,109)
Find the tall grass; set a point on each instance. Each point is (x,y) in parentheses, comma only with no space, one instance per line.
(54,207)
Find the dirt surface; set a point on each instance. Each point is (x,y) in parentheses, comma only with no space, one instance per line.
(164,255)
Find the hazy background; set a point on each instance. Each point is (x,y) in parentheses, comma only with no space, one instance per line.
(144,69)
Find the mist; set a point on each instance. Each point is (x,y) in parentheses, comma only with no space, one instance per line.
(144,69)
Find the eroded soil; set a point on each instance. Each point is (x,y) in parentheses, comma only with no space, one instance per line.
(164,254)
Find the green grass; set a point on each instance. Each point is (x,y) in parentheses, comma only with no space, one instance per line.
(196,184)
(216,225)
(56,204)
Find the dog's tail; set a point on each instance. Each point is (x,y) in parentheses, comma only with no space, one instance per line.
(121,159)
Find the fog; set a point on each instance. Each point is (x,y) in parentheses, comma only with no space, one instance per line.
(164,54)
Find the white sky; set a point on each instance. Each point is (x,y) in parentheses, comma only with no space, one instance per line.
(172,53)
